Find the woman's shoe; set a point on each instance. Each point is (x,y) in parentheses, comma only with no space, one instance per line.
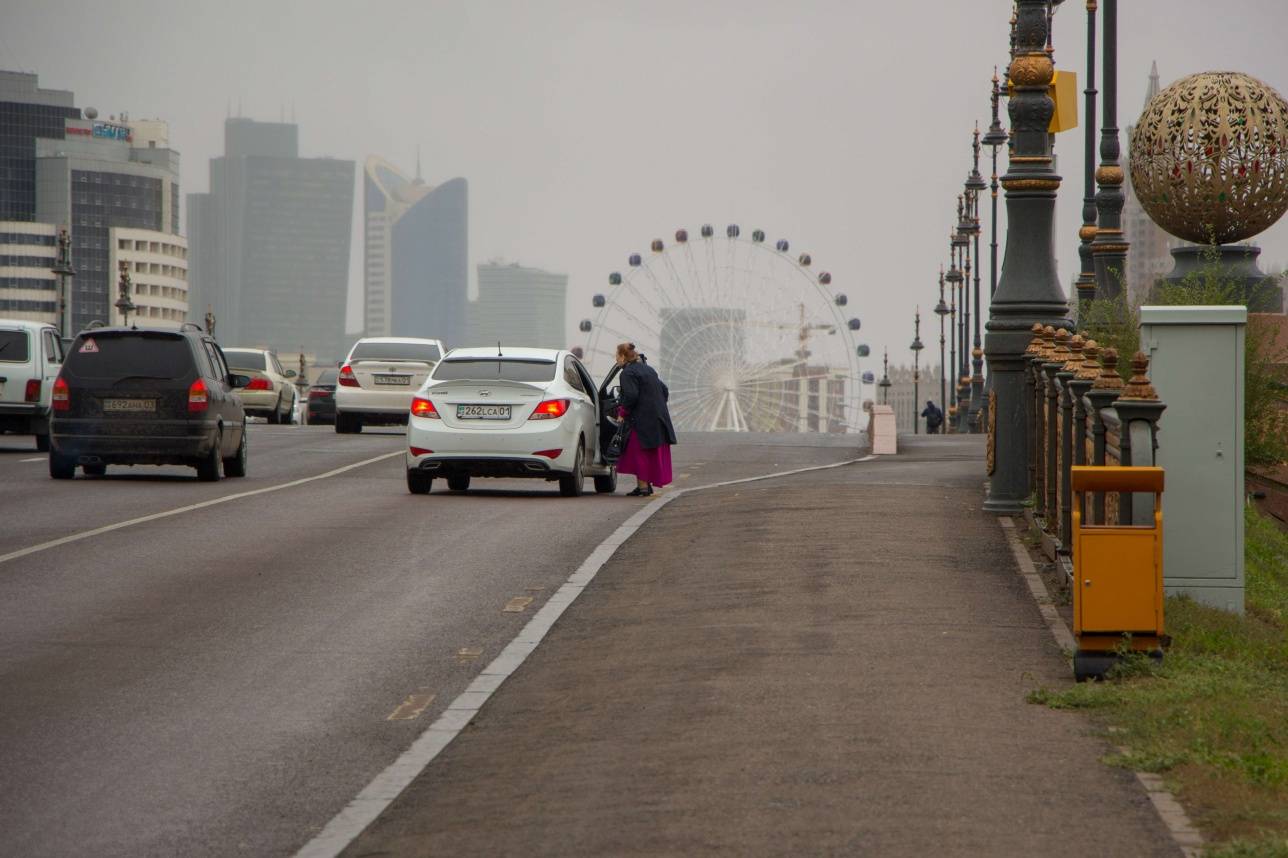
(639,493)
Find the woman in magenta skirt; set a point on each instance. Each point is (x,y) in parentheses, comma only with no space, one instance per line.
(643,400)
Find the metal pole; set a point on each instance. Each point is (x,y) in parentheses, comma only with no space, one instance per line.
(1110,245)
(941,310)
(916,372)
(1086,282)
(1029,288)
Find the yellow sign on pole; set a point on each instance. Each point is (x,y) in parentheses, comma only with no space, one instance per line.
(1064,92)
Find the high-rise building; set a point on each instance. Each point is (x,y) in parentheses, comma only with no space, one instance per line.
(270,242)
(1150,255)
(416,255)
(27,113)
(519,306)
(28,288)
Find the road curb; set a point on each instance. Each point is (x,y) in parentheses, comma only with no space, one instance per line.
(345,826)
(1184,833)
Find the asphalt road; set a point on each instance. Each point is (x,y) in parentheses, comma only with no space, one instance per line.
(223,679)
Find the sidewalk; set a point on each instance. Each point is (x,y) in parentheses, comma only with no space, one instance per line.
(830,663)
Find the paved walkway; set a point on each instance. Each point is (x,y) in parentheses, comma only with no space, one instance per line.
(828,663)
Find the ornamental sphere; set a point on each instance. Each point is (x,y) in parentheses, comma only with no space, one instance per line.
(1209,158)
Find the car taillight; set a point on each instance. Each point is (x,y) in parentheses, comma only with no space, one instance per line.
(62,399)
(319,394)
(33,390)
(420,451)
(347,378)
(421,407)
(198,401)
(258,384)
(550,409)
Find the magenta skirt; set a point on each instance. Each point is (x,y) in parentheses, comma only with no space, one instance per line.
(651,466)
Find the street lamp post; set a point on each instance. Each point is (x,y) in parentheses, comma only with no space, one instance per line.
(1086,282)
(123,303)
(1109,247)
(941,310)
(974,186)
(916,347)
(63,268)
(1029,289)
(210,321)
(884,383)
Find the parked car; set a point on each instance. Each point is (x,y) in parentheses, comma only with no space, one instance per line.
(30,356)
(378,378)
(270,393)
(321,399)
(143,396)
(512,413)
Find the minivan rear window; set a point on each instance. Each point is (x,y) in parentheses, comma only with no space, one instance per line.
(244,360)
(15,347)
(396,351)
(486,369)
(133,355)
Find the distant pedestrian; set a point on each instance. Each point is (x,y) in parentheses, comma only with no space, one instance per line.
(643,400)
(934,417)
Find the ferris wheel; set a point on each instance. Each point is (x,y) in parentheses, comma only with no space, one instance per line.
(746,335)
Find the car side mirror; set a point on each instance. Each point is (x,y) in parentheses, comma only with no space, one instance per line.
(238,381)
(290,373)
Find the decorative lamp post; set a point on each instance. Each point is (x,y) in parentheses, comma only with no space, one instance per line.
(884,383)
(954,280)
(63,268)
(210,321)
(1109,246)
(1209,163)
(123,303)
(994,138)
(916,347)
(941,310)
(974,187)
(1085,285)
(1029,288)
(962,377)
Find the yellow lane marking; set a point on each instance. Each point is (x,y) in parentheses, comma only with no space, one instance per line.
(517,604)
(412,706)
(466,653)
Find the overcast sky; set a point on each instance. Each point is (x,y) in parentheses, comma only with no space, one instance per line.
(586,129)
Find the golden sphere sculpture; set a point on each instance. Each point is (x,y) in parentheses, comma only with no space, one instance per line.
(1209,158)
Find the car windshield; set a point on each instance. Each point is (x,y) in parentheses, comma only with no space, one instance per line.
(328,376)
(500,369)
(14,347)
(238,359)
(396,351)
(146,354)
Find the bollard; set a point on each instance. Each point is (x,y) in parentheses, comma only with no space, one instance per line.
(1104,390)
(1056,359)
(1064,455)
(1079,385)
(1117,574)
(1030,431)
(1139,409)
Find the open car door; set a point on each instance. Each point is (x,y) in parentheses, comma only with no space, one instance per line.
(609,396)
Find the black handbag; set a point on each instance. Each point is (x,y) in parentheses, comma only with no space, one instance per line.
(617,444)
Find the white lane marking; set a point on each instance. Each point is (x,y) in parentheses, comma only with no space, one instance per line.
(98,531)
(346,825)
(36,459)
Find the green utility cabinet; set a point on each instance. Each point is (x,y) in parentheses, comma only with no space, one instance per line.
(1196,365)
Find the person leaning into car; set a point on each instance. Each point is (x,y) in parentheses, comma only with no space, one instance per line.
(643,399)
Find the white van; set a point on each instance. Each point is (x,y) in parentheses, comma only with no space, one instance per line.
(31,354)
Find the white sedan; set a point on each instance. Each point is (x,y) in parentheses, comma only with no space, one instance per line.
(487,412)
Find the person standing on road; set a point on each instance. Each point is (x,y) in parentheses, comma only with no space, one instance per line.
(643,400)
(934,417)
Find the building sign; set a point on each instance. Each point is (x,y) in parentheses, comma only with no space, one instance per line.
(109,131)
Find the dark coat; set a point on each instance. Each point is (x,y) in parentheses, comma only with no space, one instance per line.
(644,396)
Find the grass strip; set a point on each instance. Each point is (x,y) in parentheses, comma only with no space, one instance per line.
(1213,716)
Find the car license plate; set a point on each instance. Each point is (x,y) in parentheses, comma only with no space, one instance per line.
(129,405)
(483,412)
(404,380)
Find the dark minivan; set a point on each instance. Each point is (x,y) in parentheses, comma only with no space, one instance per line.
(139,396)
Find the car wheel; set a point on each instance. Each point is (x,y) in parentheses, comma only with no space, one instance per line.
(458,482)
(236,466)
(288,417)
(42,443)
(418,482)
(572,485)
(94,470)
(275,416)
(61,467)
(211,468)
(606,484)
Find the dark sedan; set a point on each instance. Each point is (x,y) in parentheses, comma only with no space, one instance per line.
(321,405)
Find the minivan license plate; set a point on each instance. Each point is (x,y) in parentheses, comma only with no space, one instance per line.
(129,405)
(404,380)
(483,412)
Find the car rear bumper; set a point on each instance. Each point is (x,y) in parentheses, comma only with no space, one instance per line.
(156,443)
(484,466)
(360,400)
(24,416)
(259,401)
(497,452)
